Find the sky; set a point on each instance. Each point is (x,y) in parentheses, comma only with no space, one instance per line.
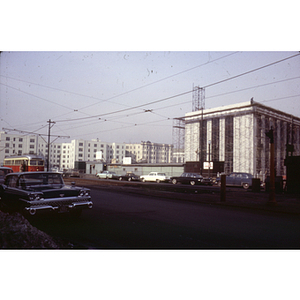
(133,96)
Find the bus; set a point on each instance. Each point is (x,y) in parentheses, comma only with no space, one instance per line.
(24,163)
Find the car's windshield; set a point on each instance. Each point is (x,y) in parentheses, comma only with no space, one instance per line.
(34,179)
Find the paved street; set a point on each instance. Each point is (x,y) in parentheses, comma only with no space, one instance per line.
(123,220)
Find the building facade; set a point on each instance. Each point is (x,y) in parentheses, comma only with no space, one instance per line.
(154,153)
(15,144)
(235,135)
(64,155)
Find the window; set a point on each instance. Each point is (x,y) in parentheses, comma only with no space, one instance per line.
(81,144)
(12,181)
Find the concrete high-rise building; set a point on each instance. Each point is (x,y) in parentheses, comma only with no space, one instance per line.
(235,135)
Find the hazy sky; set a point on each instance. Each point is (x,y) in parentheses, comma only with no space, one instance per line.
(108,95)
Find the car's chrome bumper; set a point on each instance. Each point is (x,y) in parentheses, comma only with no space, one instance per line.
(58,204)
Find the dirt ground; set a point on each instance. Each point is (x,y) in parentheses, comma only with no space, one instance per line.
(17,233)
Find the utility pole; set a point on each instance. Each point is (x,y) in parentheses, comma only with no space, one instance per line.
(270,135)
(51,124)
(199,104)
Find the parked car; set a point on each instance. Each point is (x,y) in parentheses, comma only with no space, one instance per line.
(107,175)
(3,172)
(34,192)
(191,178)
(237,179)
(155,177)
(129,176)
(71,173)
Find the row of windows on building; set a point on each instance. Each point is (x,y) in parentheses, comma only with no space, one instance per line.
(67,153)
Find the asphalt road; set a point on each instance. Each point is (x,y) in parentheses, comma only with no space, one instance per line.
(121,220)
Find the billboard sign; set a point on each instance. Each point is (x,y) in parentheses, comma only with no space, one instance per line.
(208,165)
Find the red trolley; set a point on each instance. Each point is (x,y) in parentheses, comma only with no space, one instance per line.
(24,163)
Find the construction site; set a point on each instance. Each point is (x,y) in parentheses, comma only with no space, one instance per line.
(235,138)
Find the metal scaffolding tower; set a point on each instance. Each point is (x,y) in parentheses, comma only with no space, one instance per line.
(198,98)
(178,134)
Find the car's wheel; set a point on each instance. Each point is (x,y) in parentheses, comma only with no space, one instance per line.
(192,182)
(120,178)
(129,179)
(157,181)
(246,186)
(174,181)
(143,180)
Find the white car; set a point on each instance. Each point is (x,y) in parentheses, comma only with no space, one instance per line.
(107,175)
(155,177)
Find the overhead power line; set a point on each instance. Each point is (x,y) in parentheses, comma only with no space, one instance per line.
(157,81)
(126,109)
(251,71)
(108,99)
(180,94)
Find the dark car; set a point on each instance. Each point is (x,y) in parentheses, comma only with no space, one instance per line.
(191,178)
(129,176)
(238,179)
(3,172)
(31,193)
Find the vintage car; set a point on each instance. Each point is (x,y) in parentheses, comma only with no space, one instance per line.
(237,179)
(191,178)
(3,172)
(107,175)
(129,176)
(155,177)
(32,193)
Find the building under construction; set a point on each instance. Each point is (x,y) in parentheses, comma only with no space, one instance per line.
(236,135)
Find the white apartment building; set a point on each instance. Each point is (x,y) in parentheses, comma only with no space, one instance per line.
(157,153)
(16,144)
(135,151)
(64,155)
(91,150)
